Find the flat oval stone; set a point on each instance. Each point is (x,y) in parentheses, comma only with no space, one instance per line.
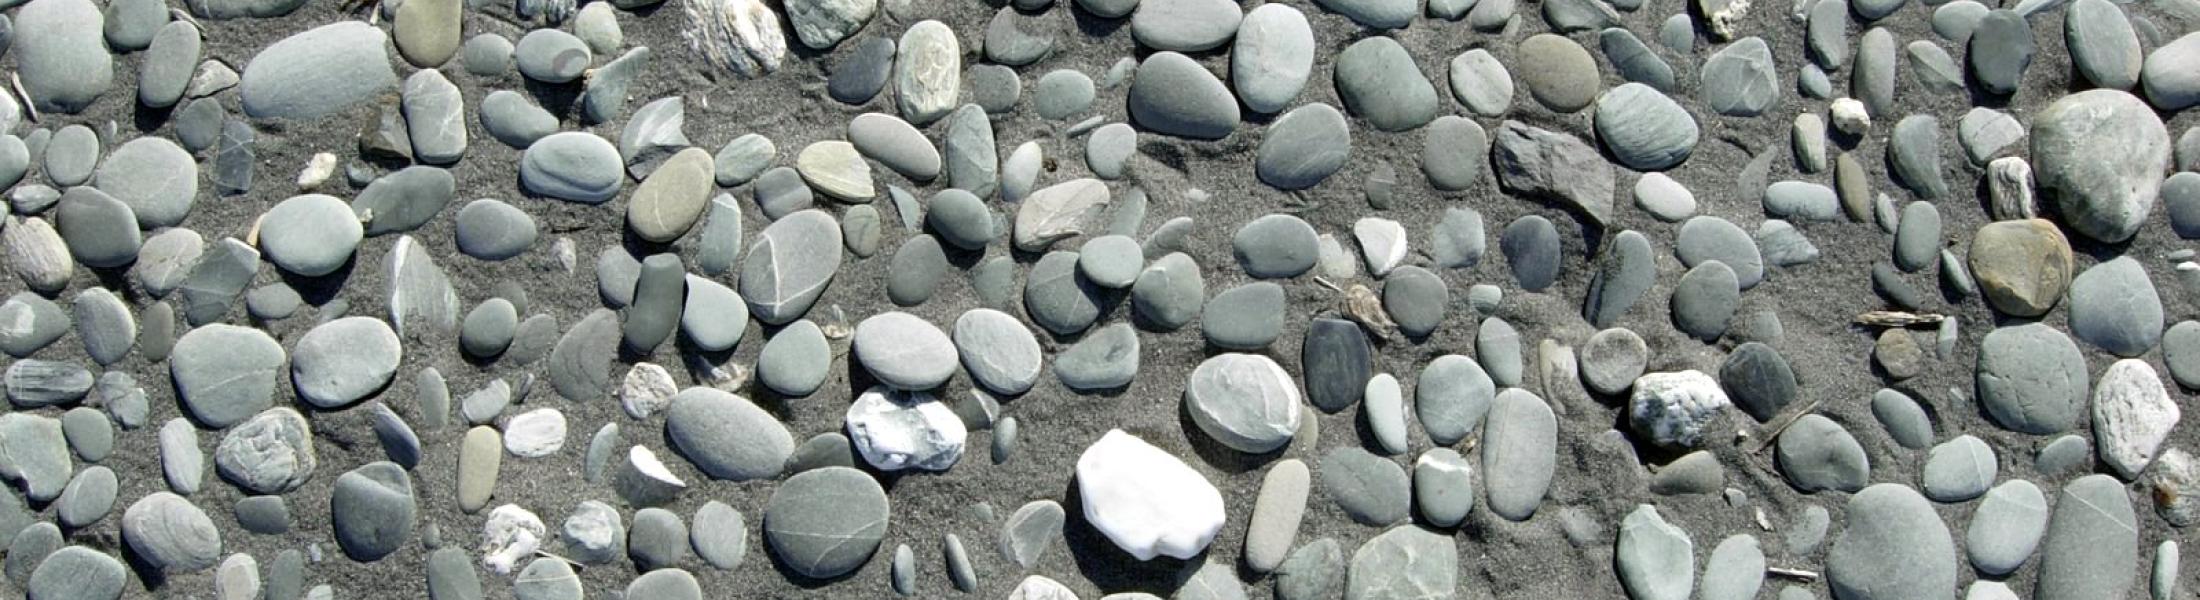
(100,231)
(1187,26)
(2114,305)
(1634,60)
(1481,83)
(1708,238)
(1303,147)
(573,165)
(997,350)
(76,572)
(904,352)
(1378,81)
(713,317)
(789,266)
(1275,246)
(342,361)
(1336,362)
(1740,80)
(1272,57)
(1245,401)
(371,510)
(1643,128)
(272,453)
(1451,397)
(1371,490)
(1103,360)
(552,56)
(1905,421)
(1061,94)
(1531,248)
(2100,154)
(61,54)
(1560,74)
(1519,453)
(1059,299)
(927,72)
(1246,317)
(896,144)
(726,436)
(1174,95)
(1959,469)
(795,362)
(225,373)
(2092,544)
(510,118)
(2103,46)
(2006,528)
(859,77)
(154,176)
(490,229)
(672,198)
(170,534)
(1893,546)
(826,522)
(1454,154)
(2000,49)
(1817,454)
(2032,378)
(961,219)
(318,72)
(310,235)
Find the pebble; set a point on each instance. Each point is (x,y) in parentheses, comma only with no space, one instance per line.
(973,163)
(2023,267)
(1739,80)
(271,453)
(371,510)
(342,361)
(826,522)
(789,265)
(794,362)
(1674,409)
(154,177)
(2031,378)
(2105,190)
(1816,453)
(2132,416)
(1415,299)
(1302,148)
(573,165)
(895,144)
(658,540)
(1553,166)
(1559,73)
(1277,512)
(2113,305)
(1634,60)
(837,169)
(170,534)
(316,73)
(225,373)
(1315,570)
(726,436)
(1174,95)
(1905,421)
(863,74)
(1272,57)
(928,72)
(1893,546)
(182,463)
(1655,559)
(76,572)
(2093,552)
(90,435)
(60,55)
(1403,562)
(1104,360)
(1185,26)
(2006,528)
(1959,469)
(1379,82)
(1531,248)
(87,498)
(1644,129)
(1244,401)
(1519,453)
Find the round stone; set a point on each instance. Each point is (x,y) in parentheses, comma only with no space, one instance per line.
(225,373)
(826,522)
(371,510)
(1173,95)
(1560,74)
(154,176)
(904,352)
(2100,155)
(489,229)
(170,534)
(2113,305)
(270,454)
(1893,546)
(1276,246)
(796,360)
(310,235)
(1272,57)
(1245,401)
(726,436)
(2032,378)
(998,351)
(1378,81)
(1643,128)
(1612,359)
(574,165)
(345,360)
(99,231)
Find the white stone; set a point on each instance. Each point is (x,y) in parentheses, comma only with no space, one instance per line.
(1850,117)
(1334,261)
(742,36)
(2132,416)
(647,390)
(927,72)
(317,171)
(643,480)
(535,433)
(1989,590)
(896,430)
(1673,408)
(1146,500)
(1382,243)
(1039,587)
(509,537)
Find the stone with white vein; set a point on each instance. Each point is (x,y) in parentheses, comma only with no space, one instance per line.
(1674,408)
(896,430)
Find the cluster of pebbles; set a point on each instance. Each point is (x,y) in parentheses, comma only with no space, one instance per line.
(388,404)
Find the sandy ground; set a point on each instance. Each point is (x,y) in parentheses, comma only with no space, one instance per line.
(1498,559)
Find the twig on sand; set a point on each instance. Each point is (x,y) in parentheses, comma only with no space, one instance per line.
(1796,574)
